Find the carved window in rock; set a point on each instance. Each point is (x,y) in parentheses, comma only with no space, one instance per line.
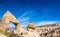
(11,26)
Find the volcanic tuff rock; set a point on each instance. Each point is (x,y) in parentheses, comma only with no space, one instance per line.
(31,25)
(19,30)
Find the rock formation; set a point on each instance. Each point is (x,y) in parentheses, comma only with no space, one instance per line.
(20,31)
(31,26)
(7,18)
(1,27)
(31,30)
(56,34)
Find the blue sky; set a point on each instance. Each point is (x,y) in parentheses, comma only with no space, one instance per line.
(37,11)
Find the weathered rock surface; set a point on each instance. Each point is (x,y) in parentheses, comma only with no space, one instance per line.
(29,32)
(1,35)
(19,31)
(31,25)
(32,32)
(7,18)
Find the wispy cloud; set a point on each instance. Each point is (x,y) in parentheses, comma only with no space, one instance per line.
(24,19)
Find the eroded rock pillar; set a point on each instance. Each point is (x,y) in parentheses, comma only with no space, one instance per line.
(32,30)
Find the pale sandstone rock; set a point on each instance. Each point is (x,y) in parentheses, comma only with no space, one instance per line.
(56,34)
(29,32)
(1,35)
(31,25)
(19,30)
(7,18)
(32,31)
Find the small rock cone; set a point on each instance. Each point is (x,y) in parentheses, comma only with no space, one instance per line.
(31,25)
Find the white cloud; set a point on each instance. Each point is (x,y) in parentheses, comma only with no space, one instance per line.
(46,22)
(23,17)
(24,14)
